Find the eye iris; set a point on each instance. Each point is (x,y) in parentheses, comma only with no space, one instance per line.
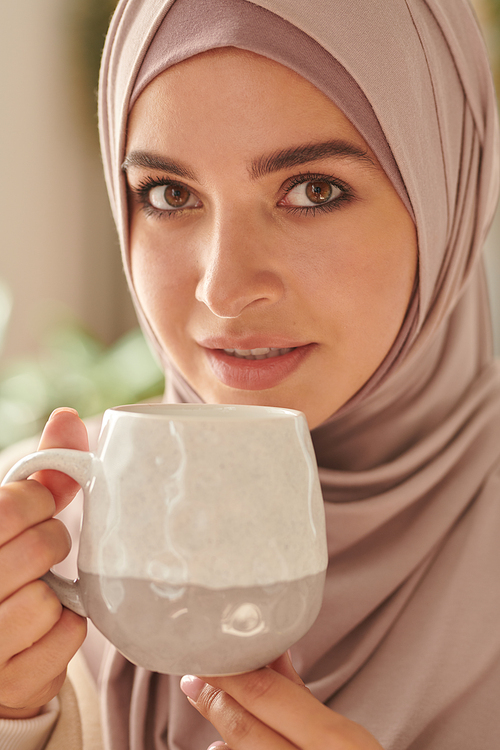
(318,191)
(176,195)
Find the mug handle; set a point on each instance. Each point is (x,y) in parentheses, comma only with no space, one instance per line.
(77,465)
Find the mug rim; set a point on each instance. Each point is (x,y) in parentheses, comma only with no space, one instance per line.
(213,412)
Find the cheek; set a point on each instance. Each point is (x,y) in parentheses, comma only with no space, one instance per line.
(355,265)
(360,280)
(161,278)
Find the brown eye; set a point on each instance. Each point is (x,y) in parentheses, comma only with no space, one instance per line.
(171,196)
(176,195)
(311,193)
(319,191)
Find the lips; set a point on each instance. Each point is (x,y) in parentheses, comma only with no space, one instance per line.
(255,367)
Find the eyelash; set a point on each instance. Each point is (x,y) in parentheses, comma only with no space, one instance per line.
(142,190)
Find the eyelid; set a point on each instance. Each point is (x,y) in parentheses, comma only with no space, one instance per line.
(150,181)
(302,177)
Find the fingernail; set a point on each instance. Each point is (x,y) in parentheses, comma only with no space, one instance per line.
(192,686)
(218,743)
(63,408)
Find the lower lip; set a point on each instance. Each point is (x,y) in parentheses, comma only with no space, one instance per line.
(255,374)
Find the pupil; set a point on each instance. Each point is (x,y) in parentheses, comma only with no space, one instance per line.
(318,191)
(176,195)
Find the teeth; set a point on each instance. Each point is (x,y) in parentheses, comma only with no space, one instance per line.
(263,353)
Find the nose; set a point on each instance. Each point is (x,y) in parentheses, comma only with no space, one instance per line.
(237,269)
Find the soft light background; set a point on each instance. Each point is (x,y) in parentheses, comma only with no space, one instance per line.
(58,246)
(61,284)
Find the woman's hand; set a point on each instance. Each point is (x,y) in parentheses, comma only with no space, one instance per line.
(38,636)
(271,709)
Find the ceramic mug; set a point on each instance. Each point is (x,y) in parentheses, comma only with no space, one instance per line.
(203,544)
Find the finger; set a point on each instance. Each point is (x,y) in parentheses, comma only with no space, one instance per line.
(31,554)
(23,504)
(292,712)
(218,745)
(64,429)
(34,676)
(19,628)
(283,665)
(239,728)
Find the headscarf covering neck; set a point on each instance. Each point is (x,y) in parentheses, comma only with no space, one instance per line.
(408,466)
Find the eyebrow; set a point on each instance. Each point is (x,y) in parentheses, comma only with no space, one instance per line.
(261,165)
(152,161)
(305,154)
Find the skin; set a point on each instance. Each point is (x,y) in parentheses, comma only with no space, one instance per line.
(242,258)
(272,708)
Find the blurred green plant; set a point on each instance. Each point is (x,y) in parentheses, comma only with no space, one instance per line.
(74,369)
(92,19)
(489,12)
(88,22)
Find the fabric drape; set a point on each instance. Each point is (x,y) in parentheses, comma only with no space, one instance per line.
(407,642)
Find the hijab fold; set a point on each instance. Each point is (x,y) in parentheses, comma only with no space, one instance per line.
(407,642)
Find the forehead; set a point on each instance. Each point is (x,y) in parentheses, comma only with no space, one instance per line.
(225,91)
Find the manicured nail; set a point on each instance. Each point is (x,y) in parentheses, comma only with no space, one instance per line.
(192,686)
(218,743)
(63,408)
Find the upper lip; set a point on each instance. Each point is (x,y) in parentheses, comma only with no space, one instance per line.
(250,342)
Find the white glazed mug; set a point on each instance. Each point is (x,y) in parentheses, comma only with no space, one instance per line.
(203,544)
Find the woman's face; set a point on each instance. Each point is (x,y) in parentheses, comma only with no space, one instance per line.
(269,251)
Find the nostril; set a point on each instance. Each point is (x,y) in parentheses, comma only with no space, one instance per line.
(228,294)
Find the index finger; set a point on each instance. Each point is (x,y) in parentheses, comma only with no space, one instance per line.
(293,712)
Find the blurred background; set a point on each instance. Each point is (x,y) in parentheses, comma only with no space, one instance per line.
(68,333)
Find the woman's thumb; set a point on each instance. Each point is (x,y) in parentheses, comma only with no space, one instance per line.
(64,429)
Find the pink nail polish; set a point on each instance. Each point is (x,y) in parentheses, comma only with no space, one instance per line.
(214,745)
(192,686)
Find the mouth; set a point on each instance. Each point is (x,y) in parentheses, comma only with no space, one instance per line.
(256,368)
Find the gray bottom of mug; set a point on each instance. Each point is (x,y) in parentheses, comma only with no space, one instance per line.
(196,630)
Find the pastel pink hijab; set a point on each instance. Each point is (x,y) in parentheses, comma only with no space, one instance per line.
(408,640)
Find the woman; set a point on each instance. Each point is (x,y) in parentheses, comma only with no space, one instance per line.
(302,192)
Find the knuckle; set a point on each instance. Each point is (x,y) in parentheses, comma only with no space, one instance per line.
(45,600)
(239,726)
(12,511)
(258,684)
(38,550)
(23,504)
(13,692)
(45,545)
(25,617)
(237,723)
